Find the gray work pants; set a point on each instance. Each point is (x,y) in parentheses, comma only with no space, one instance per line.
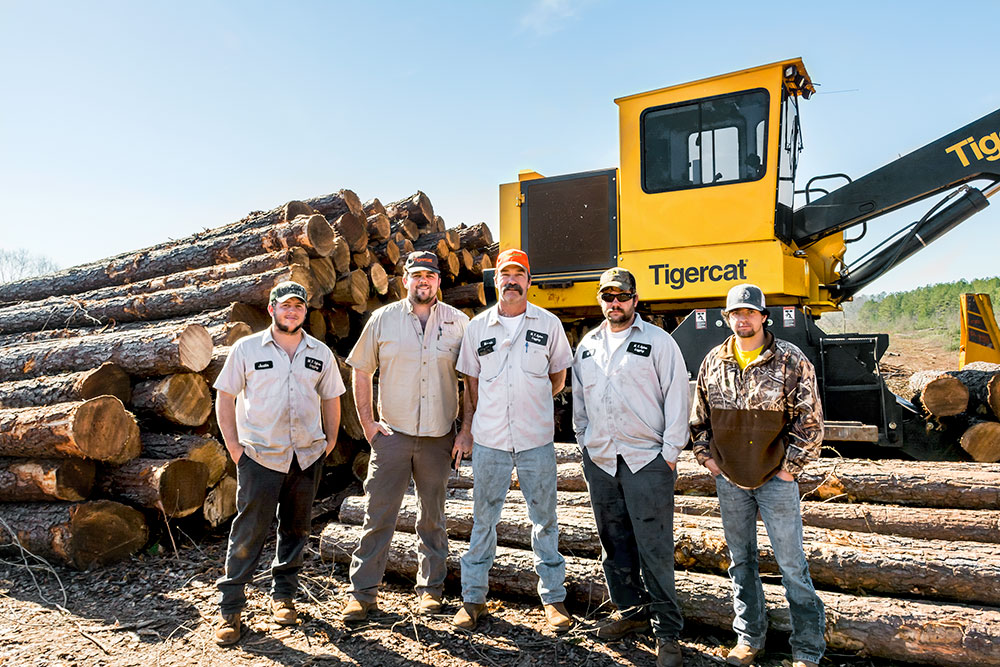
(262,494)
(394,460)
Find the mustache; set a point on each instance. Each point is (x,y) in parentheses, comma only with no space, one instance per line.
(513,287)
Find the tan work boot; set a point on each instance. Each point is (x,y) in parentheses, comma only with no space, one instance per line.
(804,663)
(429,604)
(557,617)
(283,611)
(668,653)
(618,626)
(228,629)
(743,654)
(356,611)
(468,616)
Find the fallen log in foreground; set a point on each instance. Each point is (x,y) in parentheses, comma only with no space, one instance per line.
(82,535)
(914,631)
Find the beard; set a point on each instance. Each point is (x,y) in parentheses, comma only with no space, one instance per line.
(618,316)
(746,333)
(422,300)
(284,328)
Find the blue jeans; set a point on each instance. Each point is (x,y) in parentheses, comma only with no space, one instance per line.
(536,474)
(778,503)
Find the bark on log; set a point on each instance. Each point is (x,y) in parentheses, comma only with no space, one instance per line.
(432,241)
(416,207)
(437,225)
(99,428)
(176,487)
(105,380)
(379,279)
(229,333)
(351,290)
(984,388)
(407,228)
(471,295)
(940,394)
(220,502)
(82,535)
(349,421)
(465,260)
(379,227)
(484,262)
(211,372)
(24,480)
(982,441)
(373,206)
(181,398)
(200,448)
(387,253)
(341,256)
(449,266)
(395,289)
(914,631)
(353,230)
(338,323)
(329,206)
(476,237)
(569,477)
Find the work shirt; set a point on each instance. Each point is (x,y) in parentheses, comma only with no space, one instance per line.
(418,385)
(514,411)
(633,402)
(278,399)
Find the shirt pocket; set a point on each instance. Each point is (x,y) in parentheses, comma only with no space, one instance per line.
(490,366)
(450,340)
(589,372)
(638,369)
(535,360)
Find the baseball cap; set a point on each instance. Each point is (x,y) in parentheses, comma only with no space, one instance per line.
(513,256)
(421,260)
(286,290)
(617,277)
(745,296)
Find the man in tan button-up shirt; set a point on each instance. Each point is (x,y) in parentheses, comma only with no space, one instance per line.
(414,345)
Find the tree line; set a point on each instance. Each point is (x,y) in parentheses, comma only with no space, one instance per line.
(932,307)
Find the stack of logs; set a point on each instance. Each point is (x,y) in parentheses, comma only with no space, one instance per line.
(963,406)
(106,420)
(905,555)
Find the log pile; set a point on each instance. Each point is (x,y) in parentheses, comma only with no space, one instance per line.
(964,405)
(106,406)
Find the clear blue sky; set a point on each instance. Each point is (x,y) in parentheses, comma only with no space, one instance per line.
(124,124)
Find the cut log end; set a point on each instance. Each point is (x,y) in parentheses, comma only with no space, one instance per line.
(187,399)
(102,532)
(321,235)
(183,487)
(106,380)
(195,347)
(103,429)
(982,442)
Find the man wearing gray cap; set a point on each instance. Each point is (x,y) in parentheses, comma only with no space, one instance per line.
(630,414)
(278,407)
(756,423)
(413,344)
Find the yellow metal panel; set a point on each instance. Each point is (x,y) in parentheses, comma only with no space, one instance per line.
(510,216)
(579,295)
(980,340)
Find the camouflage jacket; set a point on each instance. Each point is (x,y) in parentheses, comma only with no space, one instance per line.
(760,420)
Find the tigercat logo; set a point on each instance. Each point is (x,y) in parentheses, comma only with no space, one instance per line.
(679,276)
(987,147)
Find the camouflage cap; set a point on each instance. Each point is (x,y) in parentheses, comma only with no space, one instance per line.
(287,290)
(617,277)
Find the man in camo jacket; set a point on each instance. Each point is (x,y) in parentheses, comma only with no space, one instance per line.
(756,422)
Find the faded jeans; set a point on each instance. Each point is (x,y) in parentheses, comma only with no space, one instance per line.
(536,474)
(778,503)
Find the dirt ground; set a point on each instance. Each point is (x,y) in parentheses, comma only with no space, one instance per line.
(160,610)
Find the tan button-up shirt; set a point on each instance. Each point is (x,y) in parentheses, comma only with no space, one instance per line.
(514,412)
(278,399)
(418,385)
(633,403)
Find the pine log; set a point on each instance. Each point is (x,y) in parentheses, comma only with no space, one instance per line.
(200,448)
(437,225)
(98,428)
(349,421)
(176,487)
(351,290)
(939,393)
(341,256)
(984,388)
(379,279)
(471,295)
(395,289)
(386,252)
(83,535)
(359,465)
(982,441)
(408,229)
(450,266)
(316,324)
(220,502)
(256,316)
(362,260)
(105,380)
(476,237)
(465,260)
(405,247)
(379,227)
(373,206)
(338,323)
(228,333)
(342,453)
(24,480)
(181,398)
(416,207)
(211,372)
(353,230)
(329,206)
(433,242)
(324,274)
(484,262)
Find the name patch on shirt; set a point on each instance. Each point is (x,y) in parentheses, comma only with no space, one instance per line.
(642,349)
(536,337)
(586,354)
(314,364)
(486,346)
(261,365)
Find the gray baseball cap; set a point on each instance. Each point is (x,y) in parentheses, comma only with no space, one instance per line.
(745,296)
(287,290)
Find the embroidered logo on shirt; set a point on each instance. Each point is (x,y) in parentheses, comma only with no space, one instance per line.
(261,365)
(536,337)
(642,349)
(486,346)
(586,354)
(314,364)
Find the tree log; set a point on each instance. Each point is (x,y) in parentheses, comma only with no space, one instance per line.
(338,323)
(324,274)
(470,295)
(105,380)
(437,225)
(465,260)
(432,241)
(373,206)
(449,266)
(176,487)
(342,453)
(220,502)
(329,206)
(351,290)
(359,465)
(211,372)
(200,448)
(23,480)
(909,630)
(316,324)
(386,252)
(228,333)
(476,237)
(98,428)
(395,290)
(181,398)
(984,388)
(349,421)
(362,260)
(379,227)
(83,535)
(416,207)
(982,441)
(353,229)
(406,228)
(379,279)
(940,394)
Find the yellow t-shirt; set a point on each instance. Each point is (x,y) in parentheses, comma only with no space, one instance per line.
(744,358)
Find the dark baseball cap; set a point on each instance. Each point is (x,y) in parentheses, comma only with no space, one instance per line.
(745,296)
(421,260)
(617,277)
(287,290)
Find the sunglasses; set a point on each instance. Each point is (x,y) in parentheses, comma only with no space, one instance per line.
(621,297)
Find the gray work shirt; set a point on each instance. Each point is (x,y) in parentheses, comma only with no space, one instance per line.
(278,399)
(514,412)
(635,402)
(418,385)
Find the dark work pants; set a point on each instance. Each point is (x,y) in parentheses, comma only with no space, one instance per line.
(262,494)
(635,521)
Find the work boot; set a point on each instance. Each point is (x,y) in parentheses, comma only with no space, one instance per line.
(283,611)
(805,663)
(618,626)
(743,654)
(429,604)
(557,618)
(356,611)
(468,616)
(668,653)
(228,629)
